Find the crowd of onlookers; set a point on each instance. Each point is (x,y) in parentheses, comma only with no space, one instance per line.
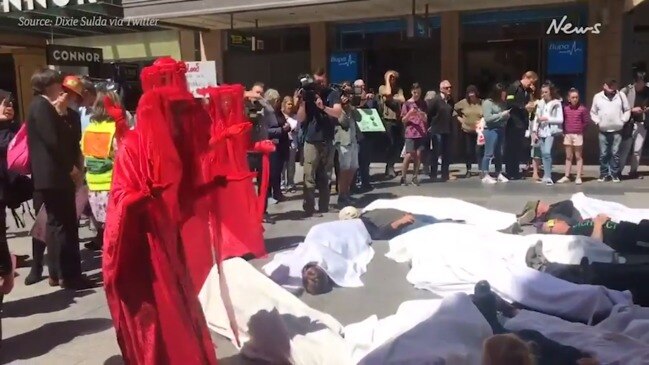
(512,125)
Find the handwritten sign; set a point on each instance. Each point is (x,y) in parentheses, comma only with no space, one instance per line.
(343,67)
(200,75)
(370,121)
(566,57)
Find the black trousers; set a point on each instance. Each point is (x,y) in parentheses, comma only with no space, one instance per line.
(472,152)
(61,232)
(441,147)
(514,145)
(627,235)
(255,165)
(364,160)
(394,132)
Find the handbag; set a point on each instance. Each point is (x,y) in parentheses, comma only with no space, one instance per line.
(18,153)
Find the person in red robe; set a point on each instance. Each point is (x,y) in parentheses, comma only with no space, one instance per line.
(150,291)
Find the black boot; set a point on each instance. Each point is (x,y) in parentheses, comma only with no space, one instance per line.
(36,272)
(487,303)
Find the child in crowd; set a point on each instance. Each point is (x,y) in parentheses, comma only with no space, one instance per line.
(576,118)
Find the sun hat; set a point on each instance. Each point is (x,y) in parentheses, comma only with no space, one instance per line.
(348,213)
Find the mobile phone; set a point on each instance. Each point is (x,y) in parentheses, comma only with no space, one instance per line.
(8,100)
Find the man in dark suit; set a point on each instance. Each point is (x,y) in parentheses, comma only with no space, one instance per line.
(54,154)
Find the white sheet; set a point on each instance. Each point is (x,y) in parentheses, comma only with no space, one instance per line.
(341,248)
(591,207)
(448,258)
(273,324)
(448,208)
(449,331)
(609,347)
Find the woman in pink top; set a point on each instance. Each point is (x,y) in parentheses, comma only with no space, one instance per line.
(413,116)
(576,118)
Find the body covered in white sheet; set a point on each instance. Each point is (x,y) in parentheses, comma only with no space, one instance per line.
(448,209)
(341,248)
(589,208)
(273,325)
(448,258)
(448,331)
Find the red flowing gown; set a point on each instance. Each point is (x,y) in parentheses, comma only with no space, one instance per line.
(157,316)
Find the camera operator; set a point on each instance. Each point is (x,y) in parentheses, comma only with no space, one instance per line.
(319,108)
(346,139)
(366,100)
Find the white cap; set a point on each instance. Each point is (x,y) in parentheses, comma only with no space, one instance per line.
(348,213)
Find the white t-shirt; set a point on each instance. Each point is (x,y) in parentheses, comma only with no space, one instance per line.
(292,135)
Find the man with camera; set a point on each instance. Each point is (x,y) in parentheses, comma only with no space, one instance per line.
(390,104)
(319,108)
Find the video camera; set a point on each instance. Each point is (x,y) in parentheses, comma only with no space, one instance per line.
(307,88)
(353,93)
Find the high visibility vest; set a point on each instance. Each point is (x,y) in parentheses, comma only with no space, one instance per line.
(97,146)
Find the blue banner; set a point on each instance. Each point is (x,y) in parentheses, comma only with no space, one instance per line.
(566,57)
(343,66)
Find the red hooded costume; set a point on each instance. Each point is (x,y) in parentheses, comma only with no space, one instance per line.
(182,199)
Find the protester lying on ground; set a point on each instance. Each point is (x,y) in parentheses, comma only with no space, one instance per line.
(623,237)
(539,211)
(612,275)
(519,347)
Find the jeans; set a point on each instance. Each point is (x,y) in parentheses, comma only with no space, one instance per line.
(632,149)
(364,160)
(288,172)
(441,147)
(546,144)
(472,150)
(493,149)
(609,153)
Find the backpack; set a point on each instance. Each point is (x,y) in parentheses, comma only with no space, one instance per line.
(18,153)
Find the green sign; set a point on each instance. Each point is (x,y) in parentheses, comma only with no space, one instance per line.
(370,121)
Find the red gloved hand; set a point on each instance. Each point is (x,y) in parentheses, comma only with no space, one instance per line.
(118,115)
(265,146)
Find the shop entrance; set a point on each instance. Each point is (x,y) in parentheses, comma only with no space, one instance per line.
(7,78)
(504,61)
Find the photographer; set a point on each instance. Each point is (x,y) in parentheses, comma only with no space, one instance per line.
(319,108)
(346,142)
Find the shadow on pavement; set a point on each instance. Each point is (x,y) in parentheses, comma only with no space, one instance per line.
(282,243)
(366,199)
(45,338)
(90,259)
(115,360)
(46,303)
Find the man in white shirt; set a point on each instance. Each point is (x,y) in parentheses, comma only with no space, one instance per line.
(610,111)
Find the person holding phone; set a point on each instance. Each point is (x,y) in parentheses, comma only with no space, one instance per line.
(638,97)
(413,116)
(495,116)
(469,113)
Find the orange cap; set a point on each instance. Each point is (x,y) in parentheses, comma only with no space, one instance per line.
(73,83)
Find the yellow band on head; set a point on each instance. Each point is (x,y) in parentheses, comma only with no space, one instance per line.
(510,97)
(550,223)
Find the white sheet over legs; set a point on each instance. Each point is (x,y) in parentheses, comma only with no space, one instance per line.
(448,208)
(591,207)
(609,347)
(274,325)
(449,331)
(341,248)
(448,258)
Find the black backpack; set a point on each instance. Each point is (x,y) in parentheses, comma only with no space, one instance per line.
(19,190)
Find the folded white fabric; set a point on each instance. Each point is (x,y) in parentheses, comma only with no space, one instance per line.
(609,347)
(341,248)
(448,258)
(449,331)
(273,324)
(448,208)
(591,207)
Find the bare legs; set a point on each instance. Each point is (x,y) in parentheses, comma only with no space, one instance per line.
(576,153)
(415,157)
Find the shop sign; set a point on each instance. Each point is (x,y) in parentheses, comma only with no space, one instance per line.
(343,66)
(563,26)
(11,5)
(73,56)
(200,75)
(566,57)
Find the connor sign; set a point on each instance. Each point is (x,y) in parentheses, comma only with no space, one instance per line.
(11,5)
(73,56)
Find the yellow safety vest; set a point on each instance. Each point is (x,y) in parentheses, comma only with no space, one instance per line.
(97,146)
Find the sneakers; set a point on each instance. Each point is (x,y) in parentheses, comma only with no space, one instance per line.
(502,178)
(402,182)
(602,179)
(548,182)
(564,180)
(415,181)
(578,181)
(488,180)
(616,179)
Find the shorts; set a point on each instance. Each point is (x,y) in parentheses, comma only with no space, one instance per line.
(572,139)
(536,151)
(415,144)
(348,156)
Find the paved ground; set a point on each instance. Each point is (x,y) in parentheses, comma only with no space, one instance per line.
(52,327)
